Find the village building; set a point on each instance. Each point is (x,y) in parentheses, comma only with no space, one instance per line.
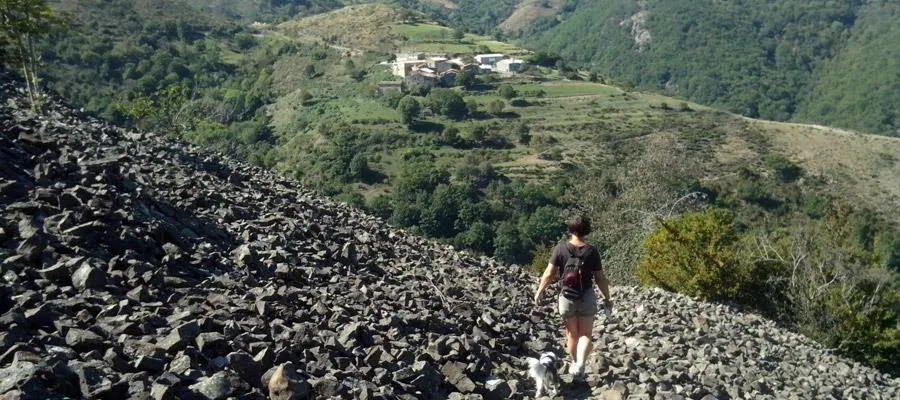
(438,64)
(488,59)
(421,78)
(403,68)
(410,56)
(509,66)
(471,67)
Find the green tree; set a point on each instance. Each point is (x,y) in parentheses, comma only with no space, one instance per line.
(479,237)
(507,92)
(409,109)
(22,24)
(458,34)
(508,244)
(359,166)
(438,219)
(543,226)
(418,176)
(466,79)
(447,102)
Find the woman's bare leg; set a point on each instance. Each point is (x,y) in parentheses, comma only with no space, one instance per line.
(584,345)
(572,330)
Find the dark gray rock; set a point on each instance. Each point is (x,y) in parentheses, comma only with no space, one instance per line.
(219,386)
(243,363)
(149,364)
(496,389)
(454,374)
(32,247)
(83,340)
(17,375)
(211,342)
(88,277)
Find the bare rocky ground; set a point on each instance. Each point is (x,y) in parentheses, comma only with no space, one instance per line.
(142,268)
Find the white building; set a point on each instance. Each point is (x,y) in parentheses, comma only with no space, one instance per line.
(510,66)
(488,59)
(410,56)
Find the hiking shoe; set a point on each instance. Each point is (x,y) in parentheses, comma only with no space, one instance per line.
(577,372)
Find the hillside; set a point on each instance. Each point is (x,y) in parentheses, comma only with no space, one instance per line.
(140,267)
(301,97)
(492,162)
(811,61)
(387,29)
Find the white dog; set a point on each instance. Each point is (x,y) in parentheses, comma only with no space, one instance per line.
(545,372)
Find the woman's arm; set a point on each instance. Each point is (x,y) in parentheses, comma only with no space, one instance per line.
(602,283)
(546,280)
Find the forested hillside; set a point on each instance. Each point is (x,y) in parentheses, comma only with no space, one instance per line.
(860,88)
(780,60)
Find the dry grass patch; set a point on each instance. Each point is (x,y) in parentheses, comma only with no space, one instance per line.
(362,27)
(529,10)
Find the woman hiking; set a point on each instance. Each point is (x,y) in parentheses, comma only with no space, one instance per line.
(580,268)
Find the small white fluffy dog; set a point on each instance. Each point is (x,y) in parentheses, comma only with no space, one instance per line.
(545,372)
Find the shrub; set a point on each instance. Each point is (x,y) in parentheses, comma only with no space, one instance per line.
(380,205)
(449,136)
(392,98)
(507,92)
(472,106)
(786,170)
(573,76)
(496,107)
(551,155)
(695,255)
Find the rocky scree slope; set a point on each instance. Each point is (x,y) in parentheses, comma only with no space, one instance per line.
(138,267)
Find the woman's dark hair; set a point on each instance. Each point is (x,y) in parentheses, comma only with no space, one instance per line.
(578,225)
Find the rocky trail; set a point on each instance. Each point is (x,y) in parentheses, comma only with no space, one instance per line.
(137,267)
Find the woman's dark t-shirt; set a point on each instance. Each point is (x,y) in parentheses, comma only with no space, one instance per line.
(563,251)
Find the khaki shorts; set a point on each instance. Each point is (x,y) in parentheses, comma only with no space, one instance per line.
(586,306)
